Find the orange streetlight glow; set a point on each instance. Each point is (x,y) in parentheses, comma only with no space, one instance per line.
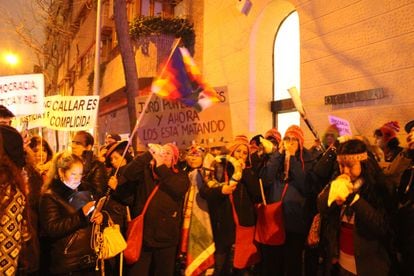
(11,59)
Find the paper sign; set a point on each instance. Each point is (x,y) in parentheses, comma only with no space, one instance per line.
(70,113)
(343,125)
(167,121)
(22,94)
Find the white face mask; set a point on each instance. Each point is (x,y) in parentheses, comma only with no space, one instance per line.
(72,185)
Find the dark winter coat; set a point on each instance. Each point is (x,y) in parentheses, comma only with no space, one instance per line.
(372,230)
(296,208)
(163,218)
(245,195)
(95,176)
(67,229)
(405,217)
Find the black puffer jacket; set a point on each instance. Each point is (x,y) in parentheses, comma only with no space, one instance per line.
(67,229)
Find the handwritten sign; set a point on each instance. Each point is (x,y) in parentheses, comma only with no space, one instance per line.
(22,94)
(166,121)
(70,112)
(343,125)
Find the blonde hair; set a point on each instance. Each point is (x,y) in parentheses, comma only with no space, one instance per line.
(62,161)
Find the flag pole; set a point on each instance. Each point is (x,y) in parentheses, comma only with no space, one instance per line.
(144,108)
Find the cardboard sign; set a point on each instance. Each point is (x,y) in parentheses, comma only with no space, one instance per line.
(166,121)
(70,113)
(23,94)
(343,125)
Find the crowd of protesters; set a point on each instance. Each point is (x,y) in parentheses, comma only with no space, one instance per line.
(356,198)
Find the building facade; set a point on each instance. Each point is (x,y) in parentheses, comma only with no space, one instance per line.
(355,59)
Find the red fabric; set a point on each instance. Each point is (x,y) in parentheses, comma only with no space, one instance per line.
(135,233)
(270,228)
(346,238)
(134,239)
(245,250)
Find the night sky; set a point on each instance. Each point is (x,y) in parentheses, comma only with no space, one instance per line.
(22,11)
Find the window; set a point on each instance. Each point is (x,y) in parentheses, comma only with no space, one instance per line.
(286,68)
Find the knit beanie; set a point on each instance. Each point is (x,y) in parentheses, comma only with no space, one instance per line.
(389,130)
(273,134)
(170,147)
(297,132)
(237,142)
(13,145)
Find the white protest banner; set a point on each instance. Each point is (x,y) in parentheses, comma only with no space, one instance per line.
(343,125)
(32,121)
(166,121)
(23,94)
(70,113)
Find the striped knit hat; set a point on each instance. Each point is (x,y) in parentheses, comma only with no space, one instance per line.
(237,142)
(297,132)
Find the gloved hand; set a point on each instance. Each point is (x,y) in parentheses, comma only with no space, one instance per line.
(341,187)
(267,145)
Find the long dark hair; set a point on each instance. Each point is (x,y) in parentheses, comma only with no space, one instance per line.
(375,189)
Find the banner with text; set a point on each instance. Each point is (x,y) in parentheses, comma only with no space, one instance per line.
(343,125)
(23,94)
(70,113)
(166,121)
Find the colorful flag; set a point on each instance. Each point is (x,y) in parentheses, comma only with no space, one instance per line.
(181,80)
(197,236)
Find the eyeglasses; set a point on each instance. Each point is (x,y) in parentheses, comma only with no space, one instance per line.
(77,143)
(290,139)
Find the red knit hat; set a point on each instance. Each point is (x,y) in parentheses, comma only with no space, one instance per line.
(237,142)
(175,152)
(389,130)
(273,134)
(296,132)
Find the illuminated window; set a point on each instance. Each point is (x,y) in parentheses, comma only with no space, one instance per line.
(286,68)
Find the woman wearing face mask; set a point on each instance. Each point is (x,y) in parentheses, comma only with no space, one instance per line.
(65,219)
(357,208)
